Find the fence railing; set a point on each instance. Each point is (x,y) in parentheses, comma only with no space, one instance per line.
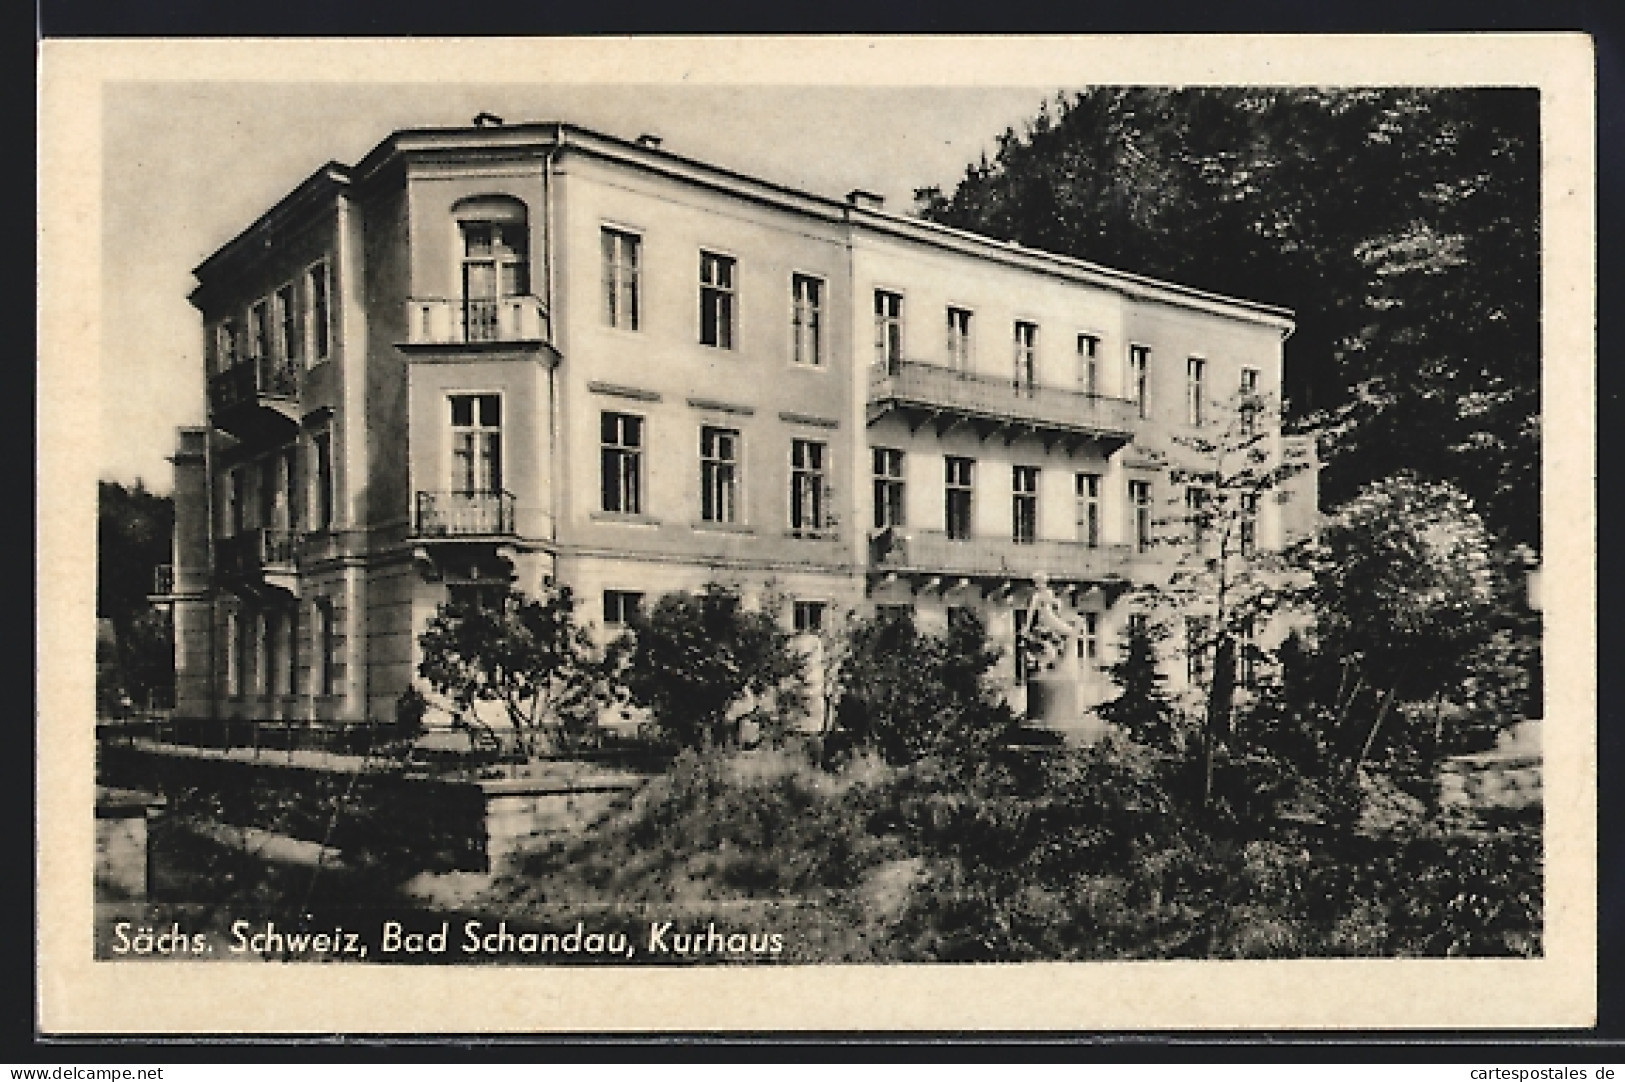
(257,550)
(465,514)
(927,550)
(252,379)
(456,320)
(987,396)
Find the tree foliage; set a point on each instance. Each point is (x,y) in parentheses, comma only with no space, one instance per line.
(1400,225)
(908,694)
(527,655)
(1142,707)
(697,661)
(134,532)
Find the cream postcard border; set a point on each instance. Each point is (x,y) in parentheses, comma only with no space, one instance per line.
(79,995)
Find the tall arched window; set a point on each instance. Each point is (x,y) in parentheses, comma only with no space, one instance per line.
(494,235)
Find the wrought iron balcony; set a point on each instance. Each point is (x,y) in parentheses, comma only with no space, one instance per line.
(947,397)
(259,558)
(465,514)
(443,321)
(934,553)
(255,397)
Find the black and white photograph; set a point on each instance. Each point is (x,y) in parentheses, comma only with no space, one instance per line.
(907,533)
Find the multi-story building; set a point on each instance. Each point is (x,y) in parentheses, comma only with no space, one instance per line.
(485,356)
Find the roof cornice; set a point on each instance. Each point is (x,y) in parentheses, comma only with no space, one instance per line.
(508,142)
(289,213)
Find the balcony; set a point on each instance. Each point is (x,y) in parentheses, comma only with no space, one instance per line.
(256,399)
(464,515)
(932,553)
(491,322)
(945,397)
(259,560)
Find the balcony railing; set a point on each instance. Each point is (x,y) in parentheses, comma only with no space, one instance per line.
(465,514)
(934,552)
(462,320)
(999,402)
(250,381)
(253,552)
(163,580)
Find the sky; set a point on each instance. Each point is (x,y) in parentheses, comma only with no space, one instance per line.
(188,165)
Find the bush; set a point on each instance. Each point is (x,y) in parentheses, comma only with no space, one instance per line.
(700,662)
(908,694)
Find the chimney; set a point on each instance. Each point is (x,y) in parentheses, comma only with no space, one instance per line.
(650,140)
(487,120)
(867,200)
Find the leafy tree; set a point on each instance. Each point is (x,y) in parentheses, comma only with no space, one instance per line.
(526,654)
(1226,584)
(1401,225)
(1405,592)
(695,660)
(134,532)
(909,694)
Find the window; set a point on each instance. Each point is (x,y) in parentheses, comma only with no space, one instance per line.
(1246,654)
(1249,401)
(959,483)
(1139,365)
(476,443)
(289,339)
(1249,524)
(719,474)
(1195,377)
(1089,641)
(264,654)
(806,320)
(889,491)
(621,462)
(318,313)
(1198,513)
(291,681)
(324,642)
(259,330)
(1139,498)
(1024,504)
(1089,363)
(1196,648)
(1026,356)
(234,654)
(1020,621)
(959,339)
(620,606)
(237,507)
(1137,623)
(621,262)
(225,344)
(496,264)
(321,480)
(278,490)
(249,643)
(809,617)
(806,487)
(888,330)
(1088,488)
(716,301)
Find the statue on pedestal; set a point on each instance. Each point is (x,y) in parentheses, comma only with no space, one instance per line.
(1051,644)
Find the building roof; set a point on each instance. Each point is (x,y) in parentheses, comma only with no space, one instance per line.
(527,139)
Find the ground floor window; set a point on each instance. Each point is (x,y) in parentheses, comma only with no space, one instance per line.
(809,617)
(620,606)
